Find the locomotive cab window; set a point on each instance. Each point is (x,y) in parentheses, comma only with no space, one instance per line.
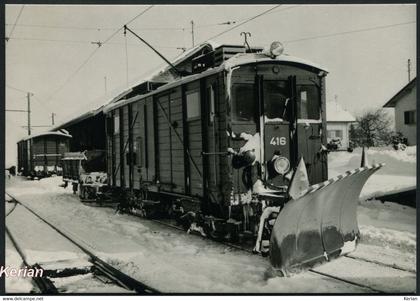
(193,105)
(308,102)
(276,99)
(243,102)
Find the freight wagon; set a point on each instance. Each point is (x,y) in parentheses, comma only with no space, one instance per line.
(40,155)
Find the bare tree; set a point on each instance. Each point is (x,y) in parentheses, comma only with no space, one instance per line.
(373,128)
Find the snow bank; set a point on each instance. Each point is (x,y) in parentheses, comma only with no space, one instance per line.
(398,174)
(408,155)
(378,185)
(388,238)
(17,285)
(387,215)
(396,162)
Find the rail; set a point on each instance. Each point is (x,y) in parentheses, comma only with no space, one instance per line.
(115,275)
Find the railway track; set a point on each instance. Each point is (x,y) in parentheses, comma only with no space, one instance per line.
(319,271)
(93,267)
(356,261)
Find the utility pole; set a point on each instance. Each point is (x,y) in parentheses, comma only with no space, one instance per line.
(409,69)
(29,112)
(192,32)
(52,118)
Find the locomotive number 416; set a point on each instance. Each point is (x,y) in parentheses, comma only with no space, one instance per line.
(278,141)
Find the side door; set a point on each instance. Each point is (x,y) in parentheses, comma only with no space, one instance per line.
(194,178)
(211,145)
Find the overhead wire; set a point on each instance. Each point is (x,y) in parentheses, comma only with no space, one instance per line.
(242,23)
(16,20)
(233,22)
(84,42)
(349,32)
(16,89)
(94,52)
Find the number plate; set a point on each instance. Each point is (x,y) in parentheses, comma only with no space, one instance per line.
(276,140)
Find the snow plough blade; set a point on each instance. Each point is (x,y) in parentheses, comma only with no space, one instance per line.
(320,225)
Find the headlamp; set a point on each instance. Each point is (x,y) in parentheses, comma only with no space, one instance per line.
(281,165)
(276,49)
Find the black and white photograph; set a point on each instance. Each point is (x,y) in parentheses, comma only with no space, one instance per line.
(166,149)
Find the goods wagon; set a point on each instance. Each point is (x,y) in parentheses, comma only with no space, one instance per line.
(40,155)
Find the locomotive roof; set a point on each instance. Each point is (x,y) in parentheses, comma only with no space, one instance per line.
(57,133)
(235,61)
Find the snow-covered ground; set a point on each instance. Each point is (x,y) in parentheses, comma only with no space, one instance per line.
(172,261)
(399,172)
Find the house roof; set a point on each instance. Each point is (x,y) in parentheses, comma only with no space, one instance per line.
(335,113)
(406,89)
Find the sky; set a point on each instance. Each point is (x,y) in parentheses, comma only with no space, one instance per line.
(53,51)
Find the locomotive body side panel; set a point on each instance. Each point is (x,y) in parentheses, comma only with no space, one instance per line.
(138,136)
(177,138)
(149,143)
(125,150)
(164,142)
(193,103)
(117,148)
(214,119)
(109,147)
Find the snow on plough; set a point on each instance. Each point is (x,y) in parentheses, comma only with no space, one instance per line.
(230,142)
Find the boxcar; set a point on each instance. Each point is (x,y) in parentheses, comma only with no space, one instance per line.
(223,141)
(40,155)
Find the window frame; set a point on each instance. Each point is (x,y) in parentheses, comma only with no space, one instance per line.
(233,103)
(211,99)
(299,86)
(410,117)
(116,124)
(190,92)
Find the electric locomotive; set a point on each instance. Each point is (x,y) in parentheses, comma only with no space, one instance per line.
(227,149)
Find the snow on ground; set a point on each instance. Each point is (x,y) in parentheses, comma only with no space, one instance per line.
(399,172)
(13,260)
(388,225)
(172,261)
(39,242)
(86,284)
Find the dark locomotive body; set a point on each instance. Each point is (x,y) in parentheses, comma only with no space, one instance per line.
(208,142)
(40,155)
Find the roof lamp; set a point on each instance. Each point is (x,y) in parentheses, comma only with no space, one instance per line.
(276,49)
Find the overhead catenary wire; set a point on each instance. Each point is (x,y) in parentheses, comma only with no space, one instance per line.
(126,58)
(86,42)
(242,23)
(95,28)
(16,89)
(94,52)
(16,21)
(233,22)
(349,32)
